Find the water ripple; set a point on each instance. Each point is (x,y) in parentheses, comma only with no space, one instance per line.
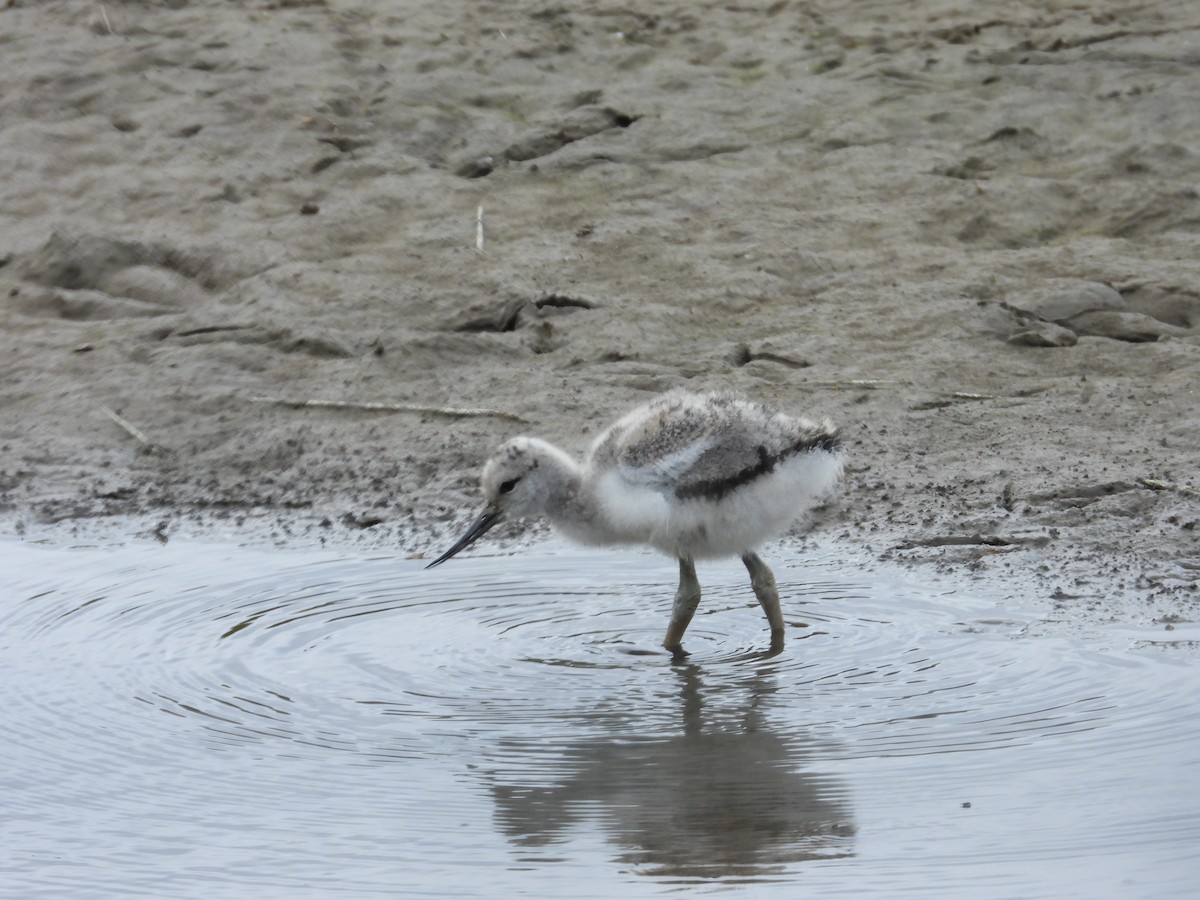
(219,716)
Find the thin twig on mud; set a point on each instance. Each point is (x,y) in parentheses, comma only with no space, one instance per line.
(869,384)
(479,228)
(131,429)
(373,406)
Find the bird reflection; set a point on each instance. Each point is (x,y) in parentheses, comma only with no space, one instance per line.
(719,799)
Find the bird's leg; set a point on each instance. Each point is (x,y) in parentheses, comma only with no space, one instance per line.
(687,598)
(763,582)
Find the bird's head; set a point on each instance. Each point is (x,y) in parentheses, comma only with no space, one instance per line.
(514,486)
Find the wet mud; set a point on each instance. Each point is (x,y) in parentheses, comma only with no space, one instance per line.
(288,271)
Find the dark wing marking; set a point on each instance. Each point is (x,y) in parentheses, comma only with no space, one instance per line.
(681,448)
(725,468)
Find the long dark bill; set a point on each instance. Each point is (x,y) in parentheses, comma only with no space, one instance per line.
(478,529)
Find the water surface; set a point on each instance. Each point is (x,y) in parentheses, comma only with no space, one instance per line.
(195,720)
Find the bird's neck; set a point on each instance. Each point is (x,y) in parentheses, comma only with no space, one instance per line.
(558,478)
(564,499)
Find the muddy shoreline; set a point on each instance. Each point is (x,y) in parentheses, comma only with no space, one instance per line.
(968,233)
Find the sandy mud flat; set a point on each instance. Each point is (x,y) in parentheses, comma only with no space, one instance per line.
(289,270)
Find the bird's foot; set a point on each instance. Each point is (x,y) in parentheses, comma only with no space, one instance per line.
(777,643)
(678,654)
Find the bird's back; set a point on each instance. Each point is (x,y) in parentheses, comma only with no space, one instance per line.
(705,445)
(712,473)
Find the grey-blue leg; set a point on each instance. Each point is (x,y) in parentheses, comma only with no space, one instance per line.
(687,598)
(763,582)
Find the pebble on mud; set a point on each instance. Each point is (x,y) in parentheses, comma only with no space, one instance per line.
(1044,334)
(1064,301)
(1123,326)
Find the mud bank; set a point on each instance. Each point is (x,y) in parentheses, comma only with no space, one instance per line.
(969,233)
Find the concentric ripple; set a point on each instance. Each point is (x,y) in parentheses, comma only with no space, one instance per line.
(206,717)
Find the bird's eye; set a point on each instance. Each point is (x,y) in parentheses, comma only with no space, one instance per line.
(506,486)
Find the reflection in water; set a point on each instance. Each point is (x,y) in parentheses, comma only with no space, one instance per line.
(225,721)
(716,800)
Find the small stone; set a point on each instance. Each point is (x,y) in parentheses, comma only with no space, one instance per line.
(1123,326)
(1043,334)
(1063,300)
(476,167)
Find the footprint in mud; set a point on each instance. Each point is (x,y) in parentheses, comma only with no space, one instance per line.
(102,277)
(1062,311)
(97,277)
(540,141)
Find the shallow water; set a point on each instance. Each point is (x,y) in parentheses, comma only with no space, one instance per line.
(197,720)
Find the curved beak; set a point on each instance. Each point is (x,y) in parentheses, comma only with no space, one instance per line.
(478,529)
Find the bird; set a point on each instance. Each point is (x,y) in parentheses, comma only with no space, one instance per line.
(693,475)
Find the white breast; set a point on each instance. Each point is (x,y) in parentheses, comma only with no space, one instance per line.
(736,523)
